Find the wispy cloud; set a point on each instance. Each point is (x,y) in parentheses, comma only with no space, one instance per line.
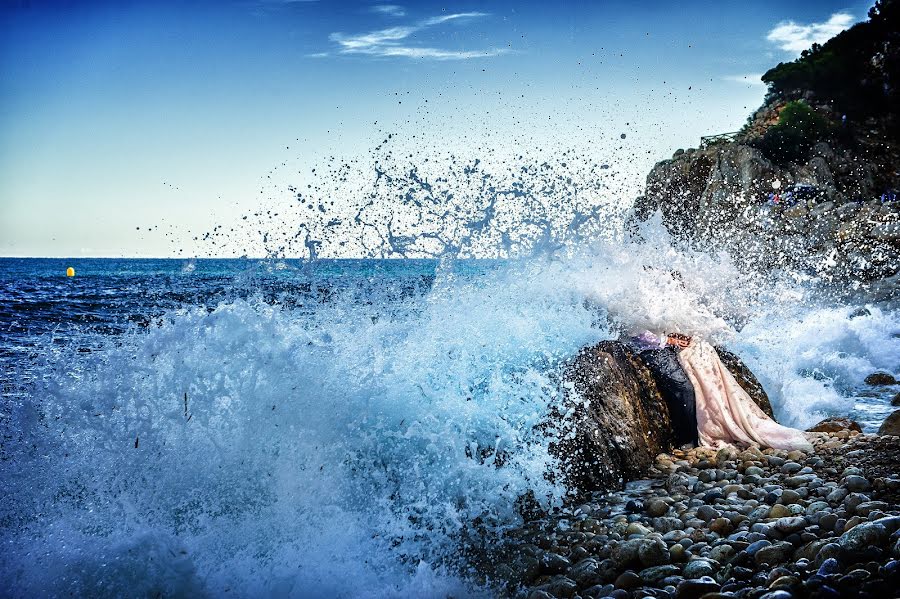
(748,79)
(794,37)
(392,41)
(390,10)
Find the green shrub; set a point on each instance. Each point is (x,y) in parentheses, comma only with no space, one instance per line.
(799,128)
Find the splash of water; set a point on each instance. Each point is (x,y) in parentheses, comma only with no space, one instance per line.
(350,449)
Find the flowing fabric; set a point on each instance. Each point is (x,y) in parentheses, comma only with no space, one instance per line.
(725,413)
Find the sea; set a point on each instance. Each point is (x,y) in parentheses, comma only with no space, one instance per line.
(332,428)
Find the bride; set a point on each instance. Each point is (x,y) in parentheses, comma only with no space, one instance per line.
(725,412)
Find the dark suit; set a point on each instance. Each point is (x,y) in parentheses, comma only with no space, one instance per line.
(676,389)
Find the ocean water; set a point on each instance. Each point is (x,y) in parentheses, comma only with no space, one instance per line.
(345,428)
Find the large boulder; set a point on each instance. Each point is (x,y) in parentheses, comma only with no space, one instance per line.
(615,421)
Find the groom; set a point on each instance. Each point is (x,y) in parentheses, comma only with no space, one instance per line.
(673,383)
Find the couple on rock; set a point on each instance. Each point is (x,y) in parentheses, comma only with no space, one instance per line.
(707,405)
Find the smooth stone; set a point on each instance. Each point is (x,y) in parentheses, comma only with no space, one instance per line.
(864,509)
(667,524)
(837,495)
(720,526)
(816,507)
(778,553)
(656,508)
(859,539)
(855,483)
(628,580)
(553,563)
(756,546)
(791,524)
(791,467)
(697,569)
(707,513)
(653,552)
(721,553)
(789,497)
(827,522)
(779,511)
(656,574)
(637,529)
(696,588)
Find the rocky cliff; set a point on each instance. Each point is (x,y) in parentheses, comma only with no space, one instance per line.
(811,182)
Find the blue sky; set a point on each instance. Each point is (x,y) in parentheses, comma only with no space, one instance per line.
(127,128)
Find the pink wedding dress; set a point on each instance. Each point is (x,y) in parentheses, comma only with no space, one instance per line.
(725,413)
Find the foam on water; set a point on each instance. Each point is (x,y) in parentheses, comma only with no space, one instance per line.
(343,452)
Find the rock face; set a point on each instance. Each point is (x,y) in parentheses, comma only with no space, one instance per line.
(618,421)
(841,228)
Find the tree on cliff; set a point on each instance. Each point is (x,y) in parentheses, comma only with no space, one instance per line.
(857,71)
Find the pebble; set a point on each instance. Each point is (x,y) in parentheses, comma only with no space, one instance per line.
(747,524)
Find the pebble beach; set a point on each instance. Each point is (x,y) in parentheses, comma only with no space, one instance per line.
(743,523)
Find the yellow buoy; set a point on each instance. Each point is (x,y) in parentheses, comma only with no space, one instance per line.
(70,272)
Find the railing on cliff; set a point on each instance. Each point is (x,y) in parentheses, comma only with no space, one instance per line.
(708,140)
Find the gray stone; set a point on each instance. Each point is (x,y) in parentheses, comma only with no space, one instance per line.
(656,574)
(695,588)
(855,483)
(698,568)
(656,508)
(653,552)
(707,513)
(777,553)
(863,536)
(790,524)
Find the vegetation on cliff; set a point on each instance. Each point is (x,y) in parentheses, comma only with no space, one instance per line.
(857,71)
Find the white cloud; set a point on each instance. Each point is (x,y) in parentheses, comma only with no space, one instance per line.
(390,10)
(794,37)
(749,79)
(388,42)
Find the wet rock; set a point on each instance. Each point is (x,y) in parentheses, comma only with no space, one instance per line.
(698,568)
(880,378)
(854,483)
(857,542)
(559,586)
(628,580)
(553,563)
(653,552)
(656,508)
(696,588)
(778,553)
(619,422)
(790,524)
(891,425)
(655,575)
(835,424)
